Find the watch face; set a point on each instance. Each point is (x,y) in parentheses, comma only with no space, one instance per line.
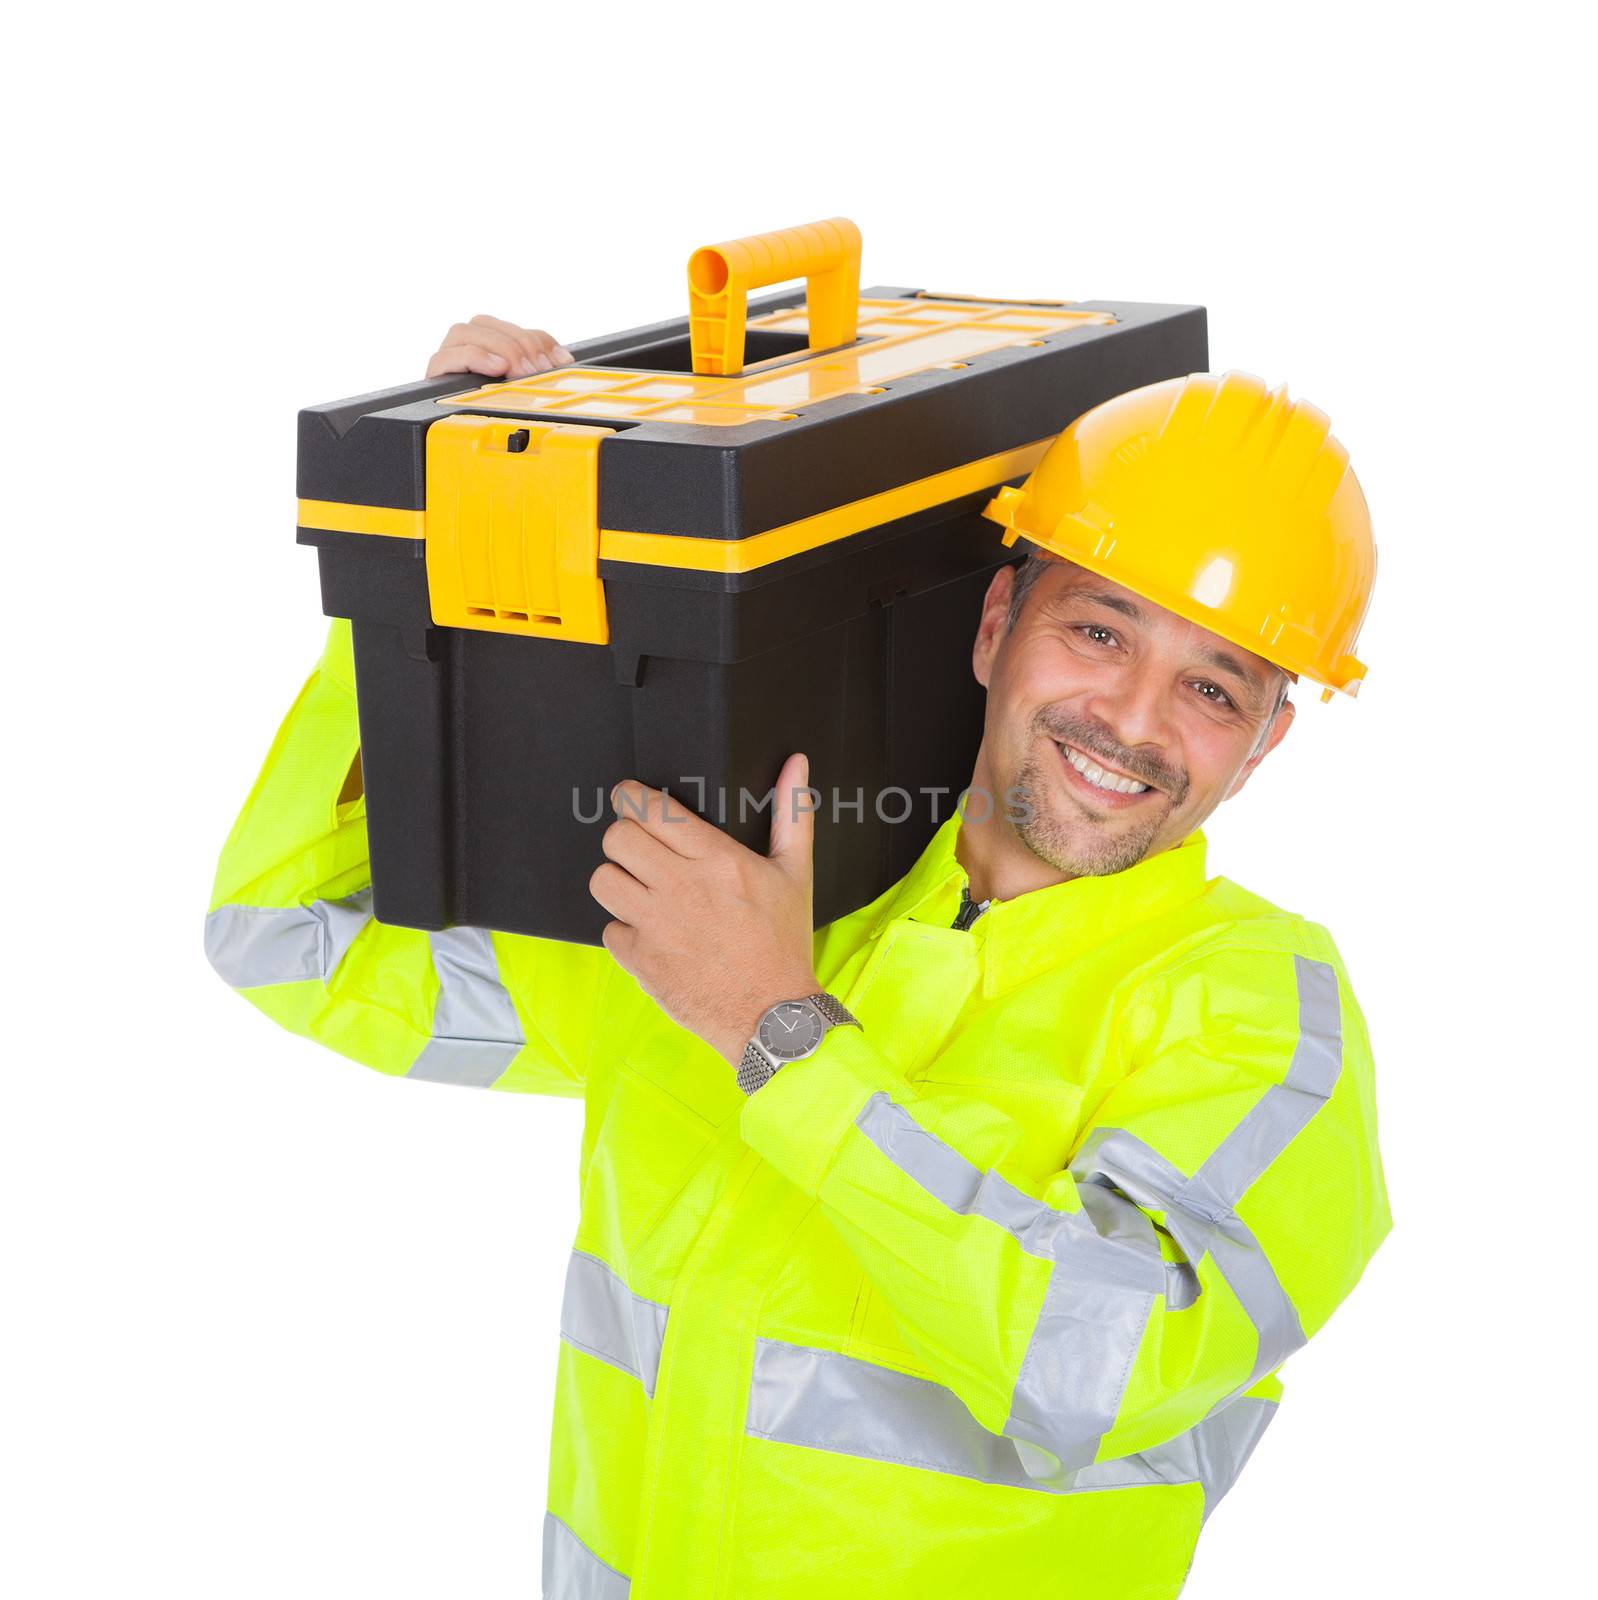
(791,1030)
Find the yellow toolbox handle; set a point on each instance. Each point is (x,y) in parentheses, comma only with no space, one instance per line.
(825,254)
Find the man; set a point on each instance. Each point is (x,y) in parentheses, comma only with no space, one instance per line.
(955,1247)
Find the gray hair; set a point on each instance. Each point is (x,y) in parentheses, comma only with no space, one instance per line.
(1026,577)
(1285,683)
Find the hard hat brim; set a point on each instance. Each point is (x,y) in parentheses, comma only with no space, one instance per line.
(1076,541)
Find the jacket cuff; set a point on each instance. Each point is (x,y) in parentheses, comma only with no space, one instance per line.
(799,1118)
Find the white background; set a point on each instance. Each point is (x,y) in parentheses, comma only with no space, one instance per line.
(276,1325)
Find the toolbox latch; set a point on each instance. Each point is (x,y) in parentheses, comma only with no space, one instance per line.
(513,527)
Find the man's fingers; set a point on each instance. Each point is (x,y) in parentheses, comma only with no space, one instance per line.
(665,818)
(618,891)
(506,357)
(793,827)
(520,362)
(619,939)
(495,348)
(638,851)
(541,348)
(525,346)
(467,358)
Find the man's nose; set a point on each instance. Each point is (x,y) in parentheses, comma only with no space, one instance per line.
(1135,707)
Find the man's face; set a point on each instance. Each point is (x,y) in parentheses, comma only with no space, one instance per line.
(1119,725)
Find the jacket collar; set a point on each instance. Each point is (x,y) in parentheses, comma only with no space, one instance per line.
(1048,926)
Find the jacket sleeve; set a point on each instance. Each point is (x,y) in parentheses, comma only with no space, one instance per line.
(1223,1197)
(290,927)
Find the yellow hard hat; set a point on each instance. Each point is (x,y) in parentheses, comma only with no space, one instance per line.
(1220,500)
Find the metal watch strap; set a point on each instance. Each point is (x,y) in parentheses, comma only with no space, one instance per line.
(834,1011)
(757,1068)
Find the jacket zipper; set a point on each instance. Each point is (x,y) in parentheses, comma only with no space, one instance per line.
(969,910)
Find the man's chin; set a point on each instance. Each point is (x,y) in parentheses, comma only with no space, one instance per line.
(1072,859)
(1056,831)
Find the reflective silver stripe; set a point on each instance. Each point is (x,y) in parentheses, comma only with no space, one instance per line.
(1282,1111)
(1106,1276)
(1107,1266)
(572,1571)
(1252,1278)
(1114,1161)
(1279,1116)
(1074,1372)
(1214,1452)
(255,945)
(476,1032)
(1127,1255)
(600,1314)
(826,1401)
(1200,1212)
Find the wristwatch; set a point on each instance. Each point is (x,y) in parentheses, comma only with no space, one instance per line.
(789,1031)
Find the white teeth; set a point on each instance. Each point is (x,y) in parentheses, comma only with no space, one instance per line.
(1098,777)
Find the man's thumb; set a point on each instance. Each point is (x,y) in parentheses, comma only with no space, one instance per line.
(793,828)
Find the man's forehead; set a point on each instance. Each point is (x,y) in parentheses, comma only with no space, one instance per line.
(1091,588)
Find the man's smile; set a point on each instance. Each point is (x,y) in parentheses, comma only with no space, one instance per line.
(1106,786)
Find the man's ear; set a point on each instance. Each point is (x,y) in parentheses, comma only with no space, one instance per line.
(991,629)
(1280,723)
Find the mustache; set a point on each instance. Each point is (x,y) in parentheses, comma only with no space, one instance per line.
(1094,739)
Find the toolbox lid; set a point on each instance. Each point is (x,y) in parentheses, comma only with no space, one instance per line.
(723,444)
(895,339)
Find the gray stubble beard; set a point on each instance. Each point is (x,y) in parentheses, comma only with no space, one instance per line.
(1051,839)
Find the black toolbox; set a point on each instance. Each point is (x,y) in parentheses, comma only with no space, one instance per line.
(628,567)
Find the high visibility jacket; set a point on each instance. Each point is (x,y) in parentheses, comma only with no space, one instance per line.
(986,1297)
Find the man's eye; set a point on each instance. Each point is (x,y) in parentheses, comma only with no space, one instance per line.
(1214,693)
(1097,632)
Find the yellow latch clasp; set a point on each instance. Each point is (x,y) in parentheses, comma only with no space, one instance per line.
(512,527)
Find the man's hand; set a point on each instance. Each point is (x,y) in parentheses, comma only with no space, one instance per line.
(715,933)
(495,349)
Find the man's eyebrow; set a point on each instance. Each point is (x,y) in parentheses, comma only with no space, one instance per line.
(1222,661)
(1111,602)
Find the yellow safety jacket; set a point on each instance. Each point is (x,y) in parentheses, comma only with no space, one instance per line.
(988,1297)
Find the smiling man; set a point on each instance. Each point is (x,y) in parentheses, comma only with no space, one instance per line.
(1140,777)
(954,1247)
